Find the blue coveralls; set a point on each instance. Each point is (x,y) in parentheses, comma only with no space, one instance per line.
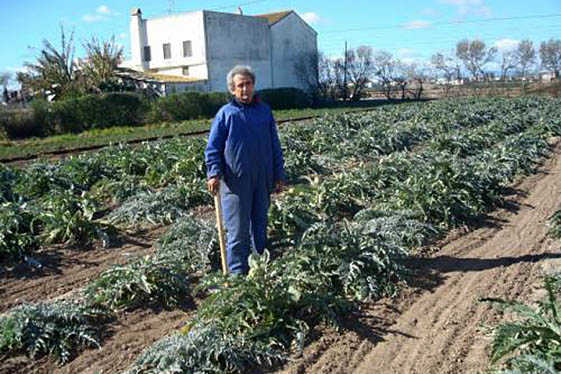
(244,151)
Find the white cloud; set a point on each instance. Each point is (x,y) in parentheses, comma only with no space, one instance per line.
(470,7)
(418,24)
(310,17)
(93,18)
(102,13)
(506,44)
(123,35)
(103,9)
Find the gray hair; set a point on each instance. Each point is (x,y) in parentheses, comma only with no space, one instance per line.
(239,70)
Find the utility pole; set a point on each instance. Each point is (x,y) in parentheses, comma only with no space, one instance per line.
(345,75)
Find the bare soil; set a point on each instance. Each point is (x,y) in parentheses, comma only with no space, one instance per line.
(434,326)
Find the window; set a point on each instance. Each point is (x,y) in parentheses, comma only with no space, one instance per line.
(147,56)
(187,49)
(167,51)
(185,70)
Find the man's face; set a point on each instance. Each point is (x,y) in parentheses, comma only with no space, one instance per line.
(243,88)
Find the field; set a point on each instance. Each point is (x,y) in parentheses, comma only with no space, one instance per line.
(395,223)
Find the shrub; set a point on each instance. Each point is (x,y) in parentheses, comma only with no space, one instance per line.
(193,242)
(177,107)
(186,106)
(20,123)
(213,102)
(95,111)
(18,229)
(530,344)
(56,329)
(285,98)
(146,280)
(222,353)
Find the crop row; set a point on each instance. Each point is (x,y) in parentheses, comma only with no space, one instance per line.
(338,237)
(333,260)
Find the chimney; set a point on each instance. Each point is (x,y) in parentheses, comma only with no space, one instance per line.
(138,39)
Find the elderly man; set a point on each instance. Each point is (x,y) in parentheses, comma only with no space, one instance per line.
(244,164)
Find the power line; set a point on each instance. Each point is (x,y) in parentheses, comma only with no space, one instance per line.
(403,25)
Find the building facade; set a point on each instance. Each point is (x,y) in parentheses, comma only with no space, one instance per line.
(203,46)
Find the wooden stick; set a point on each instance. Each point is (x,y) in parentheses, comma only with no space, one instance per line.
(221,237)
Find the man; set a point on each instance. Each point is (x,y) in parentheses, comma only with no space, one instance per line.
(244,164)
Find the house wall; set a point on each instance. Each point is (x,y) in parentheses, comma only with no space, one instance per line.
(292,40)
(233,40)
(175,29)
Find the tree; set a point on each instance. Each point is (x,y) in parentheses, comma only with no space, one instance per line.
(385,66)
(508,62)
(102,59)
(550,54)
(417,74)
(360,68)
(5,78)
(449,68)
(475,55)
(327,87)
(525,56)
(55,69)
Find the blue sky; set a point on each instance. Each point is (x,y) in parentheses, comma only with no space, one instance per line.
(410,29)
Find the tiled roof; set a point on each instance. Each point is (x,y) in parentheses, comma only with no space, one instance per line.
(163,78)
(171,78)
(273,18)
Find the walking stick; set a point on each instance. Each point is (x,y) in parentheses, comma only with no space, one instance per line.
(220,226)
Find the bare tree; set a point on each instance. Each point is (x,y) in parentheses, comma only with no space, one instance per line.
(327,87)
(508,62)
(360,68)
(448,67)
(475,55)
(417,74)
(102,60)
(340,81)
(525,56)
(550,54)
(400,78)
(385,71)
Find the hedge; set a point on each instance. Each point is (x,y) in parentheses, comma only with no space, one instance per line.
(186,105)
(125,109)
(285,98)
(95,111)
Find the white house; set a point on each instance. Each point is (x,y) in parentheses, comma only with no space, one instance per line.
(199,48)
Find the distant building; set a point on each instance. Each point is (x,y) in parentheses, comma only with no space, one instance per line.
(199,48)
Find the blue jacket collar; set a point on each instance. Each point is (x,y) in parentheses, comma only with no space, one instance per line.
(256,100)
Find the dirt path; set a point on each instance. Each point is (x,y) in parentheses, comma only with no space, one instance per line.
(437,327)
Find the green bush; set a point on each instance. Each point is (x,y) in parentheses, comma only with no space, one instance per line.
(95,111)
(186,105)
(20,123)
(58,329)
(285,98)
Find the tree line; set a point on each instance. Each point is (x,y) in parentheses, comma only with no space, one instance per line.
(348,77)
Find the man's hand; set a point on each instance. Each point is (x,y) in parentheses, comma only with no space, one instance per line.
(213,185)
(280,186)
